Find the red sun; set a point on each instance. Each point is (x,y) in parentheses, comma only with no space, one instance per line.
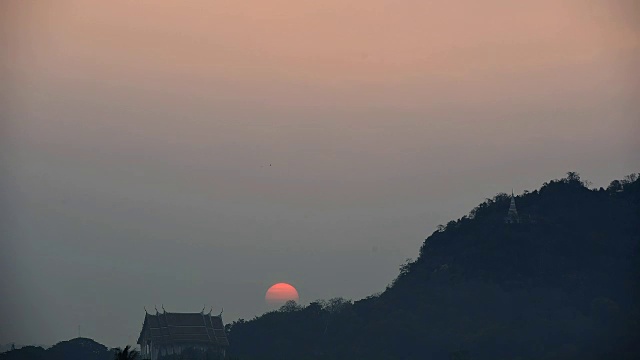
(280,293)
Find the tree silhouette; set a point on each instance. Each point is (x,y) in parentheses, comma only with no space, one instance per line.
(125,354)
(290,306)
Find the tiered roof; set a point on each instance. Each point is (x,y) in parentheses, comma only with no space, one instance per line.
(168,327)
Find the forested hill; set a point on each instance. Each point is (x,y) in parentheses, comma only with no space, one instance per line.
(563,283)
(74,349)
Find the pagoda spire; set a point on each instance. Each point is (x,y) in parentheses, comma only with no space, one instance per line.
(512,215)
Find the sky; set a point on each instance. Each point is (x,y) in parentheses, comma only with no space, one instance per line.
(192,154)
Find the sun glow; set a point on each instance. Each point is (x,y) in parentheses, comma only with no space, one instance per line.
(280,293)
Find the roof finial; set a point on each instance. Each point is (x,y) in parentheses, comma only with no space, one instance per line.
(163,310)
(145,309)
(204,307)
(210,310)
(221,311)
(156,309)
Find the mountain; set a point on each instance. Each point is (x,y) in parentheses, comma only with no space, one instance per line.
(562,283)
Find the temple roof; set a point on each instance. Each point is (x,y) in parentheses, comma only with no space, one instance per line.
(168,327)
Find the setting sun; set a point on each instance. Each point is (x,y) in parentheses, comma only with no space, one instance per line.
(280,293)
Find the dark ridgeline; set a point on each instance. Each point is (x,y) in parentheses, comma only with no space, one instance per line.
(196,336)
(558,278)
(78,348)
(561,282)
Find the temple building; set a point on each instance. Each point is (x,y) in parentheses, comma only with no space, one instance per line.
(512,215)
(182,336)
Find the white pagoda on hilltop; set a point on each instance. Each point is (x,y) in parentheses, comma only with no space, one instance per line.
(512,215)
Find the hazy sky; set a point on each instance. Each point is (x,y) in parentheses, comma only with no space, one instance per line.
(193,153)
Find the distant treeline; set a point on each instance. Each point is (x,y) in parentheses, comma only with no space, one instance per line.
(79,348)
(561,284)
